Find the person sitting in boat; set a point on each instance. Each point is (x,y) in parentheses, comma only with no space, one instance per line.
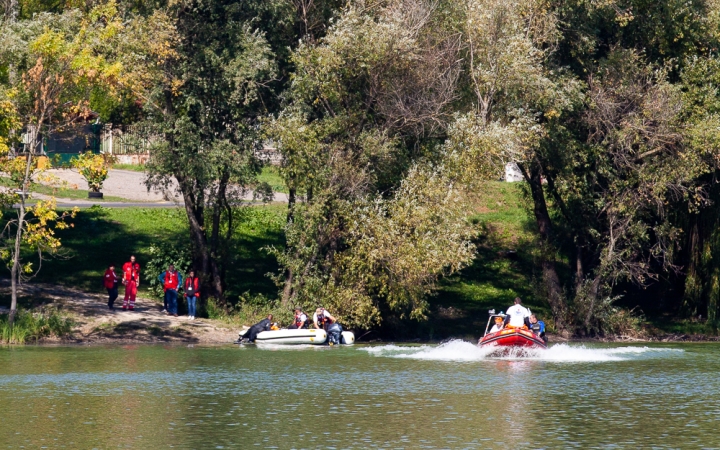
(519,314)
(274,326)
(301,320)
(538,327)
(322,318)
(499,325)
(263,325)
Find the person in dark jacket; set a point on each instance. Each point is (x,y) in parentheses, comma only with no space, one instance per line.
(537,327)
(263,325)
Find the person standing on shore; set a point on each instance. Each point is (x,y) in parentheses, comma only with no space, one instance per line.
(131,280)
(192,292)
(111,281)
(171,280)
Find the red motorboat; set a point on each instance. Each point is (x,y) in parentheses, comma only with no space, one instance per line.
(511,336)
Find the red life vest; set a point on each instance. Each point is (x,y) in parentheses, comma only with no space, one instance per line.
(323,319)
(171,280)
(131,271)
(298,321)
(192,287)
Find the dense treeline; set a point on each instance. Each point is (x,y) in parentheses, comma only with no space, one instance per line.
(389,114)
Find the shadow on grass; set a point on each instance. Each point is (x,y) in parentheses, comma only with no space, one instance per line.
(103,236)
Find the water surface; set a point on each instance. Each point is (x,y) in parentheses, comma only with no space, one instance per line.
(386,396)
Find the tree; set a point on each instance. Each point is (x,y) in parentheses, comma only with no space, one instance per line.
(58,59)
(206,105)
(375,215)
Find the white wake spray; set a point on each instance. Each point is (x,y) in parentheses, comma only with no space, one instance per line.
(458,350)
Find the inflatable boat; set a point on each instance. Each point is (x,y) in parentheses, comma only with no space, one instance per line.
(298,337)
(301,336)
(510,336)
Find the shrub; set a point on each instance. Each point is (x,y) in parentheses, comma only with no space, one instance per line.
(161,256)
(94,168)
(250,309)
(34,325)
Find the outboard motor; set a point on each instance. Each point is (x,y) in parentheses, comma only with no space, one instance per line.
(334,334)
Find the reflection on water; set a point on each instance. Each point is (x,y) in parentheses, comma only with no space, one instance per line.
(449,396)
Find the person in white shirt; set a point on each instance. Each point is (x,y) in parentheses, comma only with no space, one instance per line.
(499,325)
(300,321)
(518,314)
(322,318)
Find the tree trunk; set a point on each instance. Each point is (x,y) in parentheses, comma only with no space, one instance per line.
(542,217)
(288,275)
(15,270)
(195,211)
(579,268)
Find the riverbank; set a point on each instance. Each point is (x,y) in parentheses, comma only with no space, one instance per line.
(94,323)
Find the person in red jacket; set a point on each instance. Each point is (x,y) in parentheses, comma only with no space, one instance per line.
(131,280)
(192,292)
(111,281)
(171,280)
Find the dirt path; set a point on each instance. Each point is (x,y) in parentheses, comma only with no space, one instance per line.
(95,323)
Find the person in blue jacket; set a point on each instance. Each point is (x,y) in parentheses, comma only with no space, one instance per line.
(537,327)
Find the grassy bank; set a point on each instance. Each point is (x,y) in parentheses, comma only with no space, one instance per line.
(34,325)
(101,236)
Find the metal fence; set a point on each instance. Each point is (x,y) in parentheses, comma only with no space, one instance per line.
(128,140)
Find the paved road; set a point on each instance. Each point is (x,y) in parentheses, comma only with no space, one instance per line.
(125,184)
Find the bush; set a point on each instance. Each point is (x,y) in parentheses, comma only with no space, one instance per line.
(250,309)
(34,325)
(161,256)
(606,319)
(94,168)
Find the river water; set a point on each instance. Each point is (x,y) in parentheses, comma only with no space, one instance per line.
(452,395)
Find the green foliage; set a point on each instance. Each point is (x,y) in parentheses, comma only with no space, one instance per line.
(162,254)
(94,168)
(34,325)
(249,310)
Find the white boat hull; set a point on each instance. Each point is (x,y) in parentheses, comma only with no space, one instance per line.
(302,336)
(348,338)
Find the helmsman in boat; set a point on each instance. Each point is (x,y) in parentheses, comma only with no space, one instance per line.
(519,315)
(323,319)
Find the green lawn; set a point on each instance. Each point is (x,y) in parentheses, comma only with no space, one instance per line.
(101,236)
(502,270)
(133,167)
(271,176)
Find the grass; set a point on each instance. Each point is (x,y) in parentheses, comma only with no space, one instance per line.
(102,236)
(132,167)
(44,322)
(271,176)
